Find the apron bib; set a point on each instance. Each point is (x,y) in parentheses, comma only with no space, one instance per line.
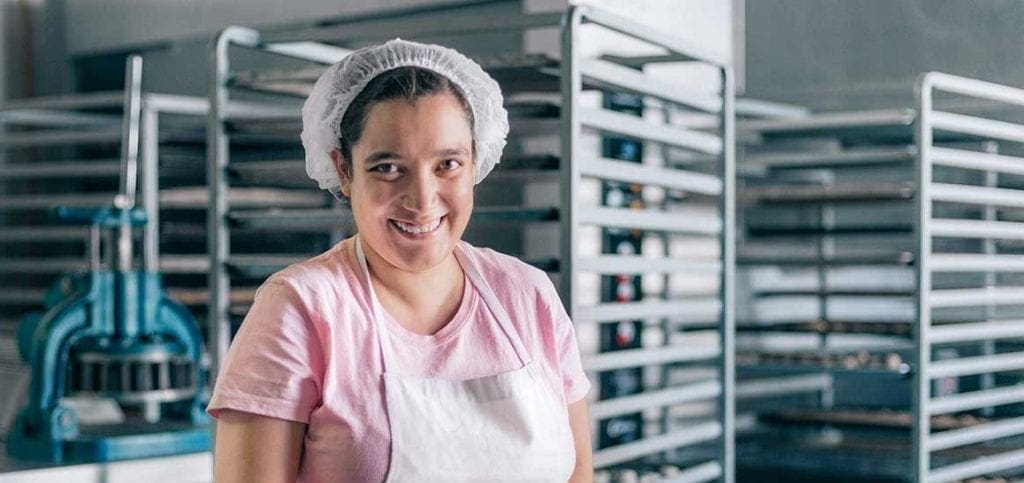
(504,427)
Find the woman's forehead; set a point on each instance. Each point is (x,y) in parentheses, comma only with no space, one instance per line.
(429,124)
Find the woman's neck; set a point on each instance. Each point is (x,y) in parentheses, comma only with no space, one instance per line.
(413,288)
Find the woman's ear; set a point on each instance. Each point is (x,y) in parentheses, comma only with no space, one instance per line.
(342,167)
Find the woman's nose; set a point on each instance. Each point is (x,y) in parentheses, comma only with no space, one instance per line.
(422,193)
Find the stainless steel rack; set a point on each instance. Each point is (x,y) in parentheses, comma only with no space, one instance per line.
(62,151)
(549,177)
(27,130)
(883,248)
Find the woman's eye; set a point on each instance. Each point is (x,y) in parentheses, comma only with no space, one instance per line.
(450,164)
(384,168)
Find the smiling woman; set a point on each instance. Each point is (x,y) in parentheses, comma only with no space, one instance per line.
(404,353)
(413,193)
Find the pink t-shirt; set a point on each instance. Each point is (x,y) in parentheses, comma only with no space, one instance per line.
(308,352)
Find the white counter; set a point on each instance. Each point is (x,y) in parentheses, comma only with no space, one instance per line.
(188,468)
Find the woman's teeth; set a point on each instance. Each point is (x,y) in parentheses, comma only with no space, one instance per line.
(418,229)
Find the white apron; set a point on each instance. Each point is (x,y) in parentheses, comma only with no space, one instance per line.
(505,427)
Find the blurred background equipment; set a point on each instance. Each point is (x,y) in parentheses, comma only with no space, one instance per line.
(882,248)
(68,151)
(115,364)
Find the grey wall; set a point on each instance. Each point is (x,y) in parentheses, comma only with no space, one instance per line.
(151,21)
(32,55)
(174,36)
(864,53)
(182,66)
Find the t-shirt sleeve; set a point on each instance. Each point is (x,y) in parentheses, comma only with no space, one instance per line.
(574,380)
(274,366)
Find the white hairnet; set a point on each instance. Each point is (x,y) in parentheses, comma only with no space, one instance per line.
(342,82)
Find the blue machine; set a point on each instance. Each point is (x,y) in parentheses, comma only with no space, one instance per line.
(112,333)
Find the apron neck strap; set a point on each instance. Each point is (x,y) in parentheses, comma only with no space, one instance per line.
(492,303)
(375,312)
(475,278)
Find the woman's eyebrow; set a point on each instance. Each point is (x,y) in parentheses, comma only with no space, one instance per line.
(451,152)
(380,156)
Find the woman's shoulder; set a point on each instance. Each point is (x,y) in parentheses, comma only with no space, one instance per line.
(325,273)
(508,272)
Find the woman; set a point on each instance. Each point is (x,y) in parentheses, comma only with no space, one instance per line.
(403,353)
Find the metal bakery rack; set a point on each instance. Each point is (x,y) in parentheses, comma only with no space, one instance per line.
(617,180)
(62,151)
(883,249)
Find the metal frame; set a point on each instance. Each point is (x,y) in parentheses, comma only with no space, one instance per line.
(573,74)
(841,143)
(60,114)
(929,120)
(64,127)
(575,168)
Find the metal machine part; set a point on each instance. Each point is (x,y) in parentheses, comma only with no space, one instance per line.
(113,334)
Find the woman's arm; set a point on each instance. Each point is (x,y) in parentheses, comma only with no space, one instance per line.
(253,448)
(579,423)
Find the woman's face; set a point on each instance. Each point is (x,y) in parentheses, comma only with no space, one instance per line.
(412,180)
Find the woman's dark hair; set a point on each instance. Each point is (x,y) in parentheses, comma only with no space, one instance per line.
(407,83)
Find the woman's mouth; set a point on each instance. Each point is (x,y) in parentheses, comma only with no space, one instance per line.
(415,231)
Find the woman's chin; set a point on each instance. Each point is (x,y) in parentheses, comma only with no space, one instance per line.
(422,254)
